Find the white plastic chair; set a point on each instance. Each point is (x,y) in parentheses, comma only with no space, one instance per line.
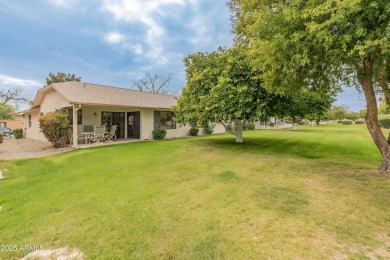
(112,133)
(99,134)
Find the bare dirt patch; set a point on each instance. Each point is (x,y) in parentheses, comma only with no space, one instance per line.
(59,254)
(14,149)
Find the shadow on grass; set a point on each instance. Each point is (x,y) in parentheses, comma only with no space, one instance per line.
(266,146)
(311,148)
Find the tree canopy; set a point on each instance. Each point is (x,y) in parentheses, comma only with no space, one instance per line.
(222,87)
(312,104)
(61,77)
(339,112)
(6,112)
(300,44)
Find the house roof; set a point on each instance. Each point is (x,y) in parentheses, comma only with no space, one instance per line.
(94,94)
(21,113)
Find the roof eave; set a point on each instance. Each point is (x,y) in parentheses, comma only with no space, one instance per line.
(115,105)
(21,113)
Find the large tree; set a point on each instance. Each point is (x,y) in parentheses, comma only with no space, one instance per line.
(299,43)
(12,95)
(154,83)
(222,87)
(6,112)
(319,103)
(307,103)
(61,77)
(339,112)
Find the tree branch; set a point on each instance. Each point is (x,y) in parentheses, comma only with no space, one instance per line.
(14,94)
(153,83)
(359,73)
(227,129)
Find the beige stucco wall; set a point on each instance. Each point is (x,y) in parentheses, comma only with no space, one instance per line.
(12,124)
(178,132)
(53,101)
(219,129)
(32,131)
(184,131)
(146,121)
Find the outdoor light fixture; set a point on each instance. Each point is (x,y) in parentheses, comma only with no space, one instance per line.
(95,114)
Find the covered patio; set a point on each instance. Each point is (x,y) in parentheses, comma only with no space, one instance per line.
(126,120)
(135,114)
(112,142)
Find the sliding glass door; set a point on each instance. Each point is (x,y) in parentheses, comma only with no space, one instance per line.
(134,125)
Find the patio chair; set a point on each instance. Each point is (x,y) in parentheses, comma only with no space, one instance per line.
(88,128)
(99,134)
(112,133)
(80,138)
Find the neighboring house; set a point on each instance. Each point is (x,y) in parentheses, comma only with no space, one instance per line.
(135,112)
(12,124)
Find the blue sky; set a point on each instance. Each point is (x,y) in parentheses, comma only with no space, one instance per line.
(111,42)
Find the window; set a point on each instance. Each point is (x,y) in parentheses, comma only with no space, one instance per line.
(3,124)
(106,119)
(164,120)
(29,120)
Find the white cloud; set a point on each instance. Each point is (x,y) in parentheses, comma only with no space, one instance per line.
(124,43)
(201,28)
(148,13)
(114,37)
(7,80)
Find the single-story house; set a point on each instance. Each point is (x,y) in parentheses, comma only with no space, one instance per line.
(136,113)
(12,124)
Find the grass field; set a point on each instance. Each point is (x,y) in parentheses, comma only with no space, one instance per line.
(283,194)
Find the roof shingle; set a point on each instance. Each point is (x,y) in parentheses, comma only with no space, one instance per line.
(93,94)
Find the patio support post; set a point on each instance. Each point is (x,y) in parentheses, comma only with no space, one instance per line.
(75,108)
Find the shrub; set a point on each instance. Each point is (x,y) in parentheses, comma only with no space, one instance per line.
(1,138)
(208,128)
(18,133)
(384,121)
(271,124)
(159,133)
(251,126)
(359,121)
(346,122)
(194,131)
(54,126)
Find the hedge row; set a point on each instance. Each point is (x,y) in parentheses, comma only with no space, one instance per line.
(384,121)
(346,122)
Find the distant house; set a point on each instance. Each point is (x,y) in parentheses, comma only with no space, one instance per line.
(136,113)
(12,124)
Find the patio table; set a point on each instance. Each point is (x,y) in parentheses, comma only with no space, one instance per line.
(87,136)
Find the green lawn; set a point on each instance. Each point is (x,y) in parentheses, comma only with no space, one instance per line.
(310,194)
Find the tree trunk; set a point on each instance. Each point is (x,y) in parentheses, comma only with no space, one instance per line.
(318,122)
(238,134)
(372,113)
(295,125)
